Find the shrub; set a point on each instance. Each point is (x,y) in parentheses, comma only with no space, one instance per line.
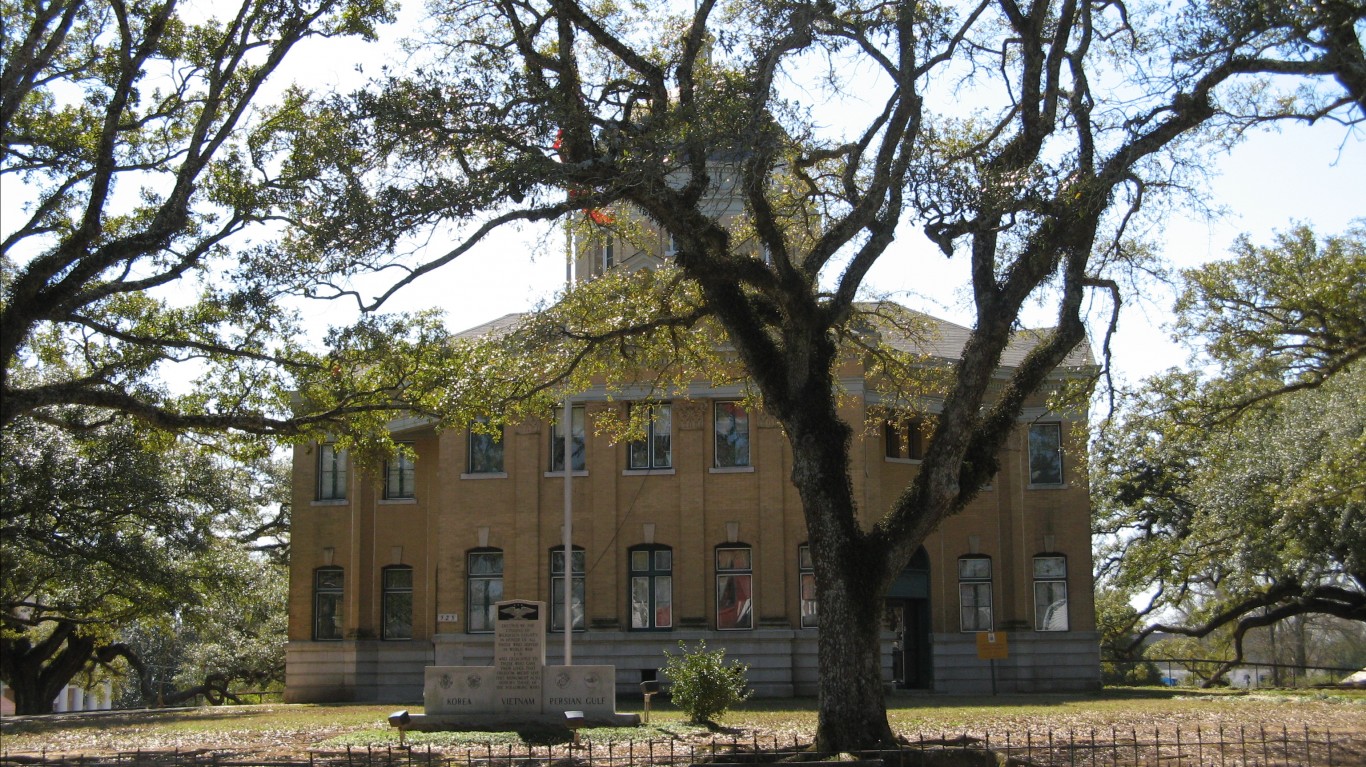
(702,684)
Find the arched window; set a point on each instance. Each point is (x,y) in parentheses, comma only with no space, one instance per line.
(806,582)
(734,586)
(397,603)
(974,593)
(652,600)
(557,588)
(1050,592)
(328,583)
(484,575)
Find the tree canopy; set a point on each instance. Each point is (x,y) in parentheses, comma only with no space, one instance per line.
(149,167)
(1037,142)
(1238,498)
(104,528)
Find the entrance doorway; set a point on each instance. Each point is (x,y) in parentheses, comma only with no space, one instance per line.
(908,617)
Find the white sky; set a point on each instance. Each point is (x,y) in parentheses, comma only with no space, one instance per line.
(1300,174)
(1270,182)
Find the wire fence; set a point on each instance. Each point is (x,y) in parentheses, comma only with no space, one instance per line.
(1243,747)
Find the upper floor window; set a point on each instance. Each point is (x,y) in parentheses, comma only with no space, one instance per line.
(557,440)
(486,449)
(1050,593)
(399,475)
(732,435)
(904,438)
(652,599)
(557,589)
(806,583)
(974,593)
(328,585)
(734,586)
(397,603)
(653,452)
(485,589)
(331,473)
(609,254)
(1045,454)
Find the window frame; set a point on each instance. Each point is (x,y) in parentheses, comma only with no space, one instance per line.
(578,561)
(489,441)
(653,576)
(1050,581)
(332,464)
(403,466)
(391,601)
(738,415)
(972,586)
(906,432)
(579,457)
(1054,455)
(484,608)
(336,597)
(659,411)
(735,586)
(808,607)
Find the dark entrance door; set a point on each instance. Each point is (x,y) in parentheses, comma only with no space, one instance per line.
(908,616)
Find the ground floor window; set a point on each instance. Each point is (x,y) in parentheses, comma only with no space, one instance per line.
(806,581)
(327,603)
(557,589)
(485,589)
(734,587)
(651,587)
(1050,593)
(397,601)
(974,593)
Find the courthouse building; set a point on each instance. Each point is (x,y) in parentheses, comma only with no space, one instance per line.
(694,532)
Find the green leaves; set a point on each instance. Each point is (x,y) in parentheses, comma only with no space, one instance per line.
(1242,491)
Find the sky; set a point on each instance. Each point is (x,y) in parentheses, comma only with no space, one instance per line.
(1273,180)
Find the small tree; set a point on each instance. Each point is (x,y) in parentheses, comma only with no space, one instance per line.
(703,684)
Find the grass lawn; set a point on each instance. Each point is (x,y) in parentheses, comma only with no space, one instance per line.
(296,729)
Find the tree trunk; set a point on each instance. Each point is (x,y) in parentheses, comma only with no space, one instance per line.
(853,710)
(37,673)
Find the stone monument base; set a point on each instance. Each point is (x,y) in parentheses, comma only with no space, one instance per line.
(448,722)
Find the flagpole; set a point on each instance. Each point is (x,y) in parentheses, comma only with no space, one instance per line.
(567,423)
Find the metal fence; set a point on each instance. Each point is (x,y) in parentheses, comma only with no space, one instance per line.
(1243,747)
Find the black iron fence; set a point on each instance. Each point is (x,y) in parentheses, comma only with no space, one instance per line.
(1242,747)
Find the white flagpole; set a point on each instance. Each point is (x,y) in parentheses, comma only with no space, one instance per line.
(567,423)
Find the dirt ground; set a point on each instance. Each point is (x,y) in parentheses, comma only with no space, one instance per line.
(276,729)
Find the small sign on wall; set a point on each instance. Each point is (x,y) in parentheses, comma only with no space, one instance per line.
(448,617)
(992,645)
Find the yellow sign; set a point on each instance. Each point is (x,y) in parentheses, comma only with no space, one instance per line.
(992,645)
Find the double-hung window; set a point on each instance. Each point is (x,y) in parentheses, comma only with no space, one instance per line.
(485,579)
(331,473)
(806,582)
(652,599)
(328,583)
(734,587)
(400,476)
(486,448)
(732,435)
(1045,454)
(974,593)
(653,452)
(397,603)
(557,440)
(557,589)
(1050,593)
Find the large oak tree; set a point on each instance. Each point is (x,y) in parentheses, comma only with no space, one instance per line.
(1029,139)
